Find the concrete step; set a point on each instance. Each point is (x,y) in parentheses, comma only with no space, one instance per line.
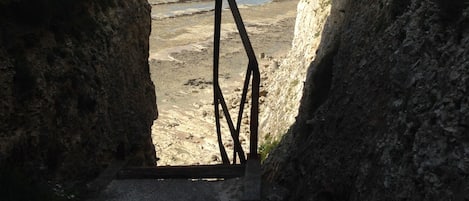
(172,190)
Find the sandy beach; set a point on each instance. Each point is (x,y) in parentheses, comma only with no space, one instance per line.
(181,69)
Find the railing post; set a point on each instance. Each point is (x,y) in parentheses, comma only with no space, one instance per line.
(216,95)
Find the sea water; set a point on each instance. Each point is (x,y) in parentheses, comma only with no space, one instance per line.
(172,8)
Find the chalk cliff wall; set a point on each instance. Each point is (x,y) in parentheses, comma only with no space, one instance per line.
(75,87)
(384,113)
(285,84)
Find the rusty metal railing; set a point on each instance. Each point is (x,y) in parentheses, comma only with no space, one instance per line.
(251,73)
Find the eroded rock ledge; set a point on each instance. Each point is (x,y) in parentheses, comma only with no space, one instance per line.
(75,87)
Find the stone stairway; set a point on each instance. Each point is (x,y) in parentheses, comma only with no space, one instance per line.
(172,190)
(179,183)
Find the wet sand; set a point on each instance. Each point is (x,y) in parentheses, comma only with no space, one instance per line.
(181,69)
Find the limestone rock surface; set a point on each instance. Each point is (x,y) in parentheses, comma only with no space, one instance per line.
(284,83)
(384,112)
(75,86)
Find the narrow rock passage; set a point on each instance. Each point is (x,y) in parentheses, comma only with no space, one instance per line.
(180,60)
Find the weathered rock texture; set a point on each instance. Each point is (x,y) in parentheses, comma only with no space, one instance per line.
(74,85)
(394,124)
(285,82)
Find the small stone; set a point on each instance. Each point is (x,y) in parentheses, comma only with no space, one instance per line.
(214,158)
(172,125)
(197,105)
(274,65)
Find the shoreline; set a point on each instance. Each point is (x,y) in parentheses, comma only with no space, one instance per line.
(172,9)
(181,66)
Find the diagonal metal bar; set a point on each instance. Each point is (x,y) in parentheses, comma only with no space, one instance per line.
(241,108)
(237,145)
(242,30)
(216,54)
(254,67)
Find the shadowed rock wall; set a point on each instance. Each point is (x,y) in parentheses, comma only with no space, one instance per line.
(395,123)
(75,86)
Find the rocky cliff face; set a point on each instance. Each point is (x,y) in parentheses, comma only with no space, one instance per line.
(75,87)
(384,112)
(285,83)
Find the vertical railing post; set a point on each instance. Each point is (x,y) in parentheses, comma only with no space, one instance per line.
(216,95)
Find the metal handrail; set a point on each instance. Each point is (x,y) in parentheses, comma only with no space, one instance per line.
(252,72)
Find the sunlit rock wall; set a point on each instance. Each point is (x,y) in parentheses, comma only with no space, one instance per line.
(286,82)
